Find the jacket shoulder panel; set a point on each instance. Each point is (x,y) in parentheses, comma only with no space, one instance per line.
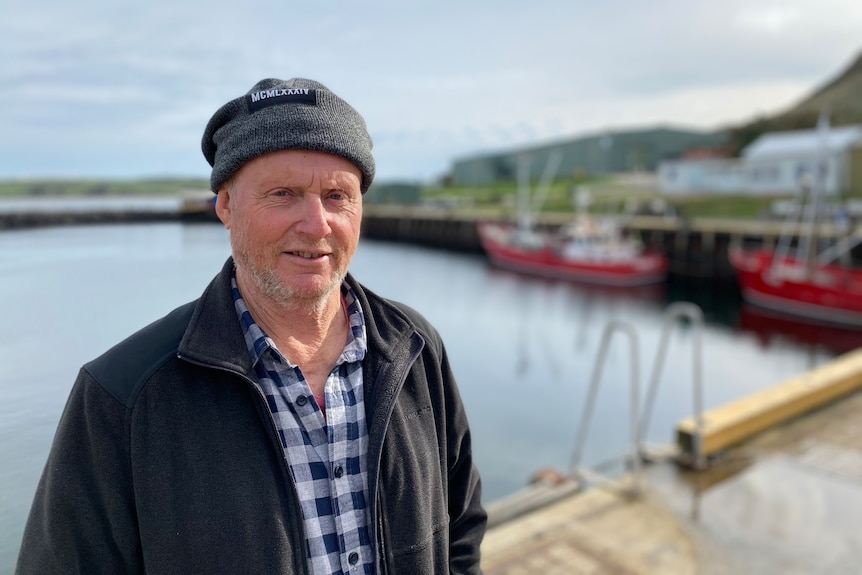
(123,369)
(423,326)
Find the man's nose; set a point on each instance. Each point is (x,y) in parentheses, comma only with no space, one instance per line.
(314,220)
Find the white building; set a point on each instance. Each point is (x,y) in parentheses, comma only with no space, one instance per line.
(700,175)
(775,163)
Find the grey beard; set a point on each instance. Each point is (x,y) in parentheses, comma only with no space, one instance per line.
(267,281)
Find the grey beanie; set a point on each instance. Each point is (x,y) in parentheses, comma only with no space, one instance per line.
(276,115)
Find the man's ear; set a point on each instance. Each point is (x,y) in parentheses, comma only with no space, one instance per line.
(222,205)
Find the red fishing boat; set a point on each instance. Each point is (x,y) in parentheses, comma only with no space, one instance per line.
(825,291)
(590,251)
(800,279)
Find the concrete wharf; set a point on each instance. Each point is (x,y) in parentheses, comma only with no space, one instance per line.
(697,247)
(785,499)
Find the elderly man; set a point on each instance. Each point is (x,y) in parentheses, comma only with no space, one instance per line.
(287,421)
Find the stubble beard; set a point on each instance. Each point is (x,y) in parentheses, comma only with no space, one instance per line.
(269,283)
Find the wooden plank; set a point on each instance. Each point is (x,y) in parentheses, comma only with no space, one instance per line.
(737,421)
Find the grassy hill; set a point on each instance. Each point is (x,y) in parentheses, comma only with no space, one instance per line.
(148,187)
(840,96)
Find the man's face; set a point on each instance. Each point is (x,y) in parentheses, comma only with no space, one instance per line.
(294,218)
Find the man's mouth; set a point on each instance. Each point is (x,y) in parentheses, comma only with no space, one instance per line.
(307,255)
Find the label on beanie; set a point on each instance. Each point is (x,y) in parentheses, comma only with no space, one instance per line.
(265,98)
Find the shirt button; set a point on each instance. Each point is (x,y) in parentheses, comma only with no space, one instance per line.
(338,471)
(301,400)
(353,558)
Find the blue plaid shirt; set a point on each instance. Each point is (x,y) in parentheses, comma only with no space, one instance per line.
(327,457)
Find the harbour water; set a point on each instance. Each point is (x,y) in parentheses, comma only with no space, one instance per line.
(523,349)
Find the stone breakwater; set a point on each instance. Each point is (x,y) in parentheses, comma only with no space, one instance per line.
(16,213)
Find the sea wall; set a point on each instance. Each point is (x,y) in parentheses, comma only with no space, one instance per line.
(697,247)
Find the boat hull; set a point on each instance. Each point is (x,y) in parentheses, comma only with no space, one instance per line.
(643,269)
(832,294)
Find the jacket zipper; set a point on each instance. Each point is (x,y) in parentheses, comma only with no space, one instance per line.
(273,435)
(378,521)
(273,432)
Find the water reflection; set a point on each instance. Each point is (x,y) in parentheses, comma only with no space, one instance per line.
(770,327)
(542,299)
(526,357)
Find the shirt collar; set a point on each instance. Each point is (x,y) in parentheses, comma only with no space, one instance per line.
(259,342)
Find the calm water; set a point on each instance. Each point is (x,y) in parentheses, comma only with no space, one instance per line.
(523,349)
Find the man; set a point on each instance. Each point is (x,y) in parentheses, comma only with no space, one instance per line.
(287,421)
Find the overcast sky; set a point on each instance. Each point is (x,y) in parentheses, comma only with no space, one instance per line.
(111,88)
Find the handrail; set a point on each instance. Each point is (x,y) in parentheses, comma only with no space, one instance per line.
(579,472)
(676,311)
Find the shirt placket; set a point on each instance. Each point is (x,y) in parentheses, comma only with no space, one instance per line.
(341,451)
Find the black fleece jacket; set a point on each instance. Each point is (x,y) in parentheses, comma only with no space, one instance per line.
(166,458)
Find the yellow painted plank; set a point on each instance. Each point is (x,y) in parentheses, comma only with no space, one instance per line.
(739,420)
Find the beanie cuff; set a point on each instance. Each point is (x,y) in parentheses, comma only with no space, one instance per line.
(278,115)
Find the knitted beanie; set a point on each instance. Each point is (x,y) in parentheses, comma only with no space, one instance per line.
(276,115)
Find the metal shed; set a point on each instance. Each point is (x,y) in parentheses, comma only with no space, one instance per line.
(780,162)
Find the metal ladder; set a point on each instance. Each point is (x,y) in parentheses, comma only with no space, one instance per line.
(584,474)
(639,425)
(675,312)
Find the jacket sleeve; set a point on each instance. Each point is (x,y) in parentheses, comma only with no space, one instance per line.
(83,516)
(467,517)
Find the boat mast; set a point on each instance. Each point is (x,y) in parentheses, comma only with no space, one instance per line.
(812,241)
(546,180)
(527,209)
(523,198)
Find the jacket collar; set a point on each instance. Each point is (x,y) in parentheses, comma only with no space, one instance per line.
(214,335)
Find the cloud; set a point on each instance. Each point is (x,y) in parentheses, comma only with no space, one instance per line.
(98,87)
(769,18)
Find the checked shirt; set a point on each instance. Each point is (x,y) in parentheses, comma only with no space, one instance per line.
(327,457)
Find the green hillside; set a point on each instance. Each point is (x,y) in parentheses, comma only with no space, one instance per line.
(100,187)
(841,97)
